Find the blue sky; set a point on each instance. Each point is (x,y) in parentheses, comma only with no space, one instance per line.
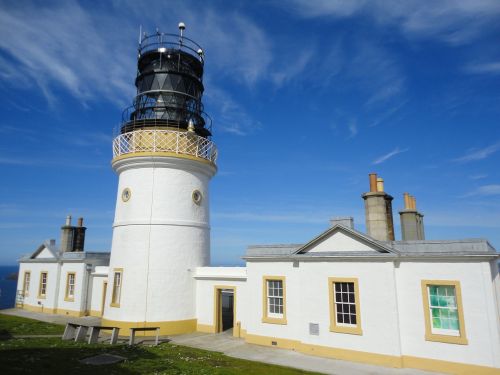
(307,98)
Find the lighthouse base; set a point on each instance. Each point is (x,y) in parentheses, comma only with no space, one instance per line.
(177,327)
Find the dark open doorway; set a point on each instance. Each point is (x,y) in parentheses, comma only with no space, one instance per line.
(225,309)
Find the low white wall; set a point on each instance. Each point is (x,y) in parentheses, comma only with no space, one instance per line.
(207,278)
(99,277)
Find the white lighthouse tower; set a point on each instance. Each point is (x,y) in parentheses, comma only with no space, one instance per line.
(164,159)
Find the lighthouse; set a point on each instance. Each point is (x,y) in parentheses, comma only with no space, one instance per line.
(164,158)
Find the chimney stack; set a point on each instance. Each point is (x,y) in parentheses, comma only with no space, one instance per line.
(347,221)
(79,241)
(67,236)
(378,210)
(412,221)
(72,238)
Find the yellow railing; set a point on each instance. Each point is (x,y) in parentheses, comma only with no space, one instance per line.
(156,140)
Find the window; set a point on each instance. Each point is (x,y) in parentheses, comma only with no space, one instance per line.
(70,287)
(443,311)
(26,283)
(345,314)
(42,289)
(117,286)
(274,300)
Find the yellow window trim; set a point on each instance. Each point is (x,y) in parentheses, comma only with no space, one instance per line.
(265,317)
(334,327)
(40,295)
(26,293)
(116,304)
(66,296)
(429,336)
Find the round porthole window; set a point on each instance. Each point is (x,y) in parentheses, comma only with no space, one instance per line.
(126,194)
(197,197)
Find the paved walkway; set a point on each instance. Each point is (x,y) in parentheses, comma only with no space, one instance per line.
(53,318)
(238,348)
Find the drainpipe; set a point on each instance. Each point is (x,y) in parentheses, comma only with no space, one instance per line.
(58,285)
(86,280)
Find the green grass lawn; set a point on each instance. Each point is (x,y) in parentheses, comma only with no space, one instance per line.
(54,356)
(14,325)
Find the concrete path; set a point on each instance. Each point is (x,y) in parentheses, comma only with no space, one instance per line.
(52,318)
(238,348)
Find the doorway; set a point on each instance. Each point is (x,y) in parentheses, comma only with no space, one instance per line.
(224,308)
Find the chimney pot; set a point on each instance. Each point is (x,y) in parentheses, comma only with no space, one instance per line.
(380,184)
(373,182)
(68,220)
(406,198)
(80,221)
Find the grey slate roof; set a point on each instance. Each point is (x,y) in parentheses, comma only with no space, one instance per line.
(397,249)
(69,256)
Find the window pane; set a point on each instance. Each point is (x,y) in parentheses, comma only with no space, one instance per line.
(340,318)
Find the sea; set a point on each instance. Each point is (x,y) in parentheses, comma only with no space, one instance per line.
(8,286)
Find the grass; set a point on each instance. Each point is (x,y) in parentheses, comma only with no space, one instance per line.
(54,356)
(14,325)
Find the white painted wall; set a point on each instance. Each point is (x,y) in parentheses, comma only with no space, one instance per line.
(341,241)
(80,287)
(50,300)
(159,237)
(307,301)
(480,312)
(99,277)
(206,280)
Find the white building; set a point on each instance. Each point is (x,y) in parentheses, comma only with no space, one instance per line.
(417,303)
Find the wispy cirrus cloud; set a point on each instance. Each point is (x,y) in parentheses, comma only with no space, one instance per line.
(478,154)
(452,21)
(483,68)
(230,116)
(389,155)
(48,163)
(485,190)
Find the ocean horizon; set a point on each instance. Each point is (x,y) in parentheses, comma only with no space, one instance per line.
(7,286)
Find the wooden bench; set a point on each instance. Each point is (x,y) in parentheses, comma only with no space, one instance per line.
(143,329)
(95,330)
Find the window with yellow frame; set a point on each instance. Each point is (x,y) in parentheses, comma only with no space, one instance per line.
(42,288)
(345,314)
(70,287)
(274,300)
(117,287)
(26,283)
(443,311)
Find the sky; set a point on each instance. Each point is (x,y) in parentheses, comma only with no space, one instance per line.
(307,97)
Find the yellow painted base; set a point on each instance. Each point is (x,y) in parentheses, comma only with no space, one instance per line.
(160,153)
(95,313)
(166,328)
(48,310)
(372,358)
(448,367)
(205,328)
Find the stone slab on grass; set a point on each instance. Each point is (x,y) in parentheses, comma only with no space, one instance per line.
(103,359)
